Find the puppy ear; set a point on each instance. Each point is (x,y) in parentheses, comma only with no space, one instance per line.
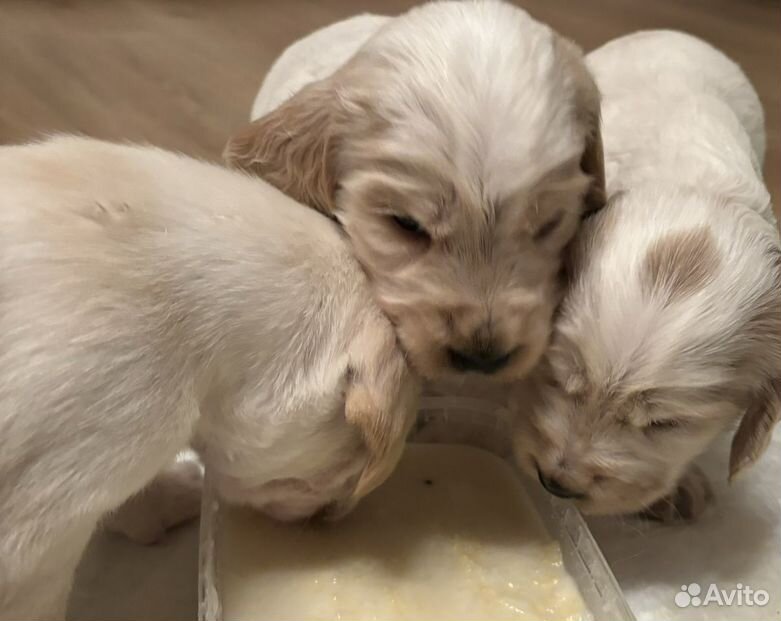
(294,147)
(588,109)
(381,400)
(755,428)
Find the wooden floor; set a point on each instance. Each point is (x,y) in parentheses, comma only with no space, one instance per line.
(183,74)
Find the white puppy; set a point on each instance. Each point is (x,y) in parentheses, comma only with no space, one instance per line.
(458,145)
(148,300)
(671,332)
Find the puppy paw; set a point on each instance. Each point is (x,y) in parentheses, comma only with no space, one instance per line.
(172,498)
(686,503)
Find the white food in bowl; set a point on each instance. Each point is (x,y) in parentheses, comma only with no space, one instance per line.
(451,535)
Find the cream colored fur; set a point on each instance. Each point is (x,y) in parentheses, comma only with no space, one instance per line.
(671,331)
(148,300)
(458,177)
(313,58)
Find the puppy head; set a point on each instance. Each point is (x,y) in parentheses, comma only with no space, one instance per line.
(323,462)
(290,470)
(671,332)
(459,178)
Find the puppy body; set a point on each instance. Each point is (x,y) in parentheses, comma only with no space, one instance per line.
(148,300)
(671,331)
(312,58)
(459,178)
(679,113)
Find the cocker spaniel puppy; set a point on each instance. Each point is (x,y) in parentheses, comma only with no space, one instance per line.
(458,145)
(671,331)
(149,301)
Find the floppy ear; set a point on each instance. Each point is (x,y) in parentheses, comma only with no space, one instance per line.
(381,400)
(294,147)
(755,428)
(588,109)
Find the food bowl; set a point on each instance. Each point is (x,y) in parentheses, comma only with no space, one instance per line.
(580,553)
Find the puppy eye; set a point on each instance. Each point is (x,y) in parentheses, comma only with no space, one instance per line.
(662,424)
(548,228)
(551,381)
(410,225)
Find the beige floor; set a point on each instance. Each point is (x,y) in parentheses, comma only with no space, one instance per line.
(182,75)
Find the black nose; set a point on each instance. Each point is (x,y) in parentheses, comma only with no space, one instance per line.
(556,488)
(481,361)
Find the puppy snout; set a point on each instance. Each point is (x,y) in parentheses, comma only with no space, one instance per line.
(556,487)
(485,360)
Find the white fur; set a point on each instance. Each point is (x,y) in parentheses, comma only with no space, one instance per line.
(504,82)
(678,116)
(312,58)
(677,111)
(683,148)
(171,499)
(374,120)
(148,300)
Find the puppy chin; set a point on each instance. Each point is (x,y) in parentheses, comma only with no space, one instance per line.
(289,511)
(595,503)
(291,505)
(605,505)
(340,509)
(306,508)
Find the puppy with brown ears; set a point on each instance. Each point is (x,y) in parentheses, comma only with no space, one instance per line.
(458,145)
(671,331)
(149,301)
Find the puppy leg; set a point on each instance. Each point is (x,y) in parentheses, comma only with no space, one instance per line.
(52,495)
(172,498)
(686,503)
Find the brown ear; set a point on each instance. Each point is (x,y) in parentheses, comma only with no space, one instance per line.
(381,400)
(588,108)
(756,428)
(294,147)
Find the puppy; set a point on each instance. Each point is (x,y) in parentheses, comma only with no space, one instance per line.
(671,331)
(171,499)
(458,177)
(148,300)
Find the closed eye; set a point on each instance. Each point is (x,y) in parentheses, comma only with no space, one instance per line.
(662,424)
(410,226)
(547,229)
